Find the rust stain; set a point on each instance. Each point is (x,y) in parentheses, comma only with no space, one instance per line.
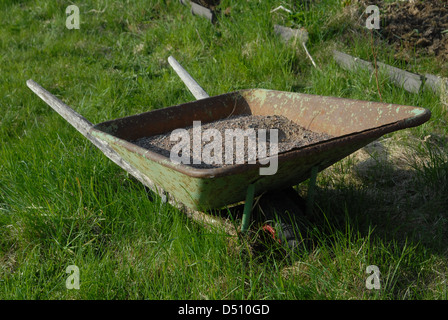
(353,123)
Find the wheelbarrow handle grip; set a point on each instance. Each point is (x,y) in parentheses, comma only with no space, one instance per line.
(192,85)
(84,126)
(75,119)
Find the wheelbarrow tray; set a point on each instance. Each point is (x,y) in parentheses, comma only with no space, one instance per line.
(352,123)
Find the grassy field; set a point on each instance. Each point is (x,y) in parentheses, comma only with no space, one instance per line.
(62,202)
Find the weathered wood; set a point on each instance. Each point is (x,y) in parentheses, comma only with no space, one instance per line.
(199,10)
(192,85)
(411,82)
(84,126)
(287,34)
(351,63)
(435,83)
(407,80)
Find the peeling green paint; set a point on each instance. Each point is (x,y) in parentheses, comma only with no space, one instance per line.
(353,123)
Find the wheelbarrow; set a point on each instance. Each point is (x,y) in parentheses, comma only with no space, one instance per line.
(352,124)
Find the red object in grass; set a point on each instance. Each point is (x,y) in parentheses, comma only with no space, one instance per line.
(269,229)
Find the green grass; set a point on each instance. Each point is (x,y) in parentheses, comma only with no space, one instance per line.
(62,202)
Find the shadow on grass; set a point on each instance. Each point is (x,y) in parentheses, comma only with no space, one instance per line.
(366,212)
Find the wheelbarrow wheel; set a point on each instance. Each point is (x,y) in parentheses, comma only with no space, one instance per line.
(282,216)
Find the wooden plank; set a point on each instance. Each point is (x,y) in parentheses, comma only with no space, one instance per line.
(199,10)
(287,33)
(411,82)
(407,80)
(435,83)
(351,63)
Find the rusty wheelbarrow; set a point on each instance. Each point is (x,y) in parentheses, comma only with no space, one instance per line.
(352,124)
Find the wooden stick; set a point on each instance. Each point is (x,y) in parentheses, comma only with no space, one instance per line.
(281,8)
(375,64)
(300,35)
(84,126)
(309,56)
(192,85)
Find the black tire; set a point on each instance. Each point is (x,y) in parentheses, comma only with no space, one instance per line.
(282,216)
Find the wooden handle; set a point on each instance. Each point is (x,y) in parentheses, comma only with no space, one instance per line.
(75,119)
(192,85)
(83,126)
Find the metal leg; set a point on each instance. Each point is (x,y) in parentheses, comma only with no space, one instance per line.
(248,208)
